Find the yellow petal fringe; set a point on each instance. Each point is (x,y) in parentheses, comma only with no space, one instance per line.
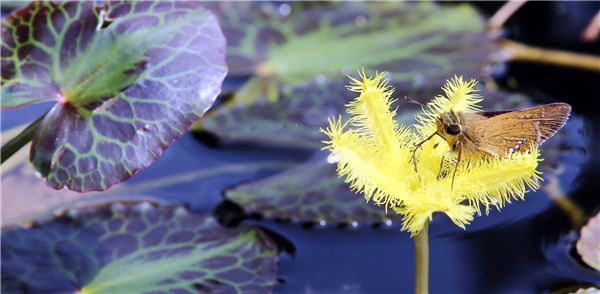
(375,158)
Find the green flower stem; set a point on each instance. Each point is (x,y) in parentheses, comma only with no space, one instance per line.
(422,257)
(16,143)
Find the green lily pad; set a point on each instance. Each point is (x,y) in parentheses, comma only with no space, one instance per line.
(416,43)
(309,192)
(136,248)
(128,78)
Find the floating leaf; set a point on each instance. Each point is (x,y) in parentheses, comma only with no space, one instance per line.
(128,77)
(588,245)
(310,192)
(295,120)
(416,43)
(136,248)
(289,122)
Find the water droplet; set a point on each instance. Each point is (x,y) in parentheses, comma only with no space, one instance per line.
(287,89)
(331,111)
(347,71)
(180,211)
(354,224)
(388,222)
(321,79)
(117,207)
(387,75)
(284,9)
(72,213)
(322,223)
(419,80)
(333,158)
(360,21)
(141,130)
(144,206)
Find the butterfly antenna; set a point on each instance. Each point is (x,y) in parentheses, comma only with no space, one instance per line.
(414,153)
(409,100)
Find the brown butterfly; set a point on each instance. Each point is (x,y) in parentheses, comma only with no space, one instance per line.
(500,133)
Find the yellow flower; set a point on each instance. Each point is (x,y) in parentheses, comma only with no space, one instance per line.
(376,158)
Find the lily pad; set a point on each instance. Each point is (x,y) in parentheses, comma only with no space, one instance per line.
(295,120)
(136,248)
(310,192)
(128,78)
(417,43)
(588,245)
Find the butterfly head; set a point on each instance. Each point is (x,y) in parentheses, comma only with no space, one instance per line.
(448,124)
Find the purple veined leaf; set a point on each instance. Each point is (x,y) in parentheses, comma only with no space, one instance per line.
(128,78)
(310,192)
(136,247)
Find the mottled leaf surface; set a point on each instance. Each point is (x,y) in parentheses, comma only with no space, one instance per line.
(313,192)
(310,192)
(295,120)
(128,77)
(136,248)
(416,43)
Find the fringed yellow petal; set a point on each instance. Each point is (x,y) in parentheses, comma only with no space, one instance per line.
(371,114)
(459,96)
(431,157)
(428,200)
(373,174)
(375,158)
(497,181)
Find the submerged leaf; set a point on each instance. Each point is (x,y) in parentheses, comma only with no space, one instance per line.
(417,43)
(136,248)
(128,78)
(294,121)
(310,192)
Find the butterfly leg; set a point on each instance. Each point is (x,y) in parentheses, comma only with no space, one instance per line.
(459,151)
(413,157)
(439,176)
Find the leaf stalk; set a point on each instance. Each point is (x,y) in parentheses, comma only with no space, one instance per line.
(514,51)
(15,144)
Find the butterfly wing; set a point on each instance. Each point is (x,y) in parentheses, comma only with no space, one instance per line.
(505,133)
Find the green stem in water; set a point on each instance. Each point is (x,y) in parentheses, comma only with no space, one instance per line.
(16,143)
(422,257)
